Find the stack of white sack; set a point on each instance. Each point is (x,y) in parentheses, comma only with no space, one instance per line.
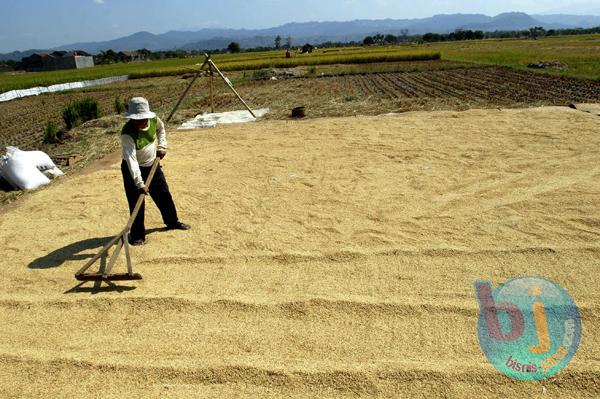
(27,170)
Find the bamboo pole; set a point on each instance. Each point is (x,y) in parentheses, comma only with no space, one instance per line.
(231,87)
(186,90)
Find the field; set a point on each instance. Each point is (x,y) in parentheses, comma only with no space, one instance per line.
(577,52)
(226,62)
(329,258)
(431,85)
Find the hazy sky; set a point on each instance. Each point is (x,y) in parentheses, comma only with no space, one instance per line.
(26,24)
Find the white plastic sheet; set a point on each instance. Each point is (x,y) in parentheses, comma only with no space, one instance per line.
(34,91)
(211,120)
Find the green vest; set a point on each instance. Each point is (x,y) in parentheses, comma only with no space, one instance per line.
(142,138)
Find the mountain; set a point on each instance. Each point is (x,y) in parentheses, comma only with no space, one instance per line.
(512,21)
(579,21)
(319,32)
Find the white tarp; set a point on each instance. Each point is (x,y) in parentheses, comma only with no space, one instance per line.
(27,170)
(34,91)
(211,120)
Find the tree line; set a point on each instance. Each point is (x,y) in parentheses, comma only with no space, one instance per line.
(458,35)
(111,56)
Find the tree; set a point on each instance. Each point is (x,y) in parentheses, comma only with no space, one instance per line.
(403,34)
(288,42)
(432,37)
(369,41)
(233,47)
(277,42)
(107,57)
(144,53)
(379,38)
(390,39)
(536,31)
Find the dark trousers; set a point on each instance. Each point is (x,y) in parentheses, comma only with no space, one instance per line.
(159,191)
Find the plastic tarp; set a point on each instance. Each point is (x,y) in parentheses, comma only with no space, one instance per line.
(27,170)
(34,91)
(211,120)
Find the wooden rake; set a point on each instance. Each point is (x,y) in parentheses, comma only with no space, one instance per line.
(121,241)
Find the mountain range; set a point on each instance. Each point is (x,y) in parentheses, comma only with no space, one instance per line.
(319,32)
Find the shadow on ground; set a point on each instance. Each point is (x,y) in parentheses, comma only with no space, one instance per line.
(75,251)
(98,287)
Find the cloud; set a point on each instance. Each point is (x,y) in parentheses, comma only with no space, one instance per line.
(99,1)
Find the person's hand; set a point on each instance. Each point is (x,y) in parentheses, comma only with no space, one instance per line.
(143,190)
(161,153)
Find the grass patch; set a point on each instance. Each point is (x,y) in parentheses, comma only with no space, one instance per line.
(51,132)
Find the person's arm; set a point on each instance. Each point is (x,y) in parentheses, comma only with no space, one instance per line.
(129,155)
(162,135)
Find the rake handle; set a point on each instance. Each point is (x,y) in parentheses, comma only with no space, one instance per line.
(140,200)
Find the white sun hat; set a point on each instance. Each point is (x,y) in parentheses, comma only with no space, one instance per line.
(139,109)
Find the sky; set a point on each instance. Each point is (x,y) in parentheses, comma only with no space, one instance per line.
(27,24)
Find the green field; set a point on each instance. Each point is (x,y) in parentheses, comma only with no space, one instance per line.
(226,62)
(580,53)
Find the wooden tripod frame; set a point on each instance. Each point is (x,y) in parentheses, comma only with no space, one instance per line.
(121,241)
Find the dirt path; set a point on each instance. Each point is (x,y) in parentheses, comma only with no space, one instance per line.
(328,258)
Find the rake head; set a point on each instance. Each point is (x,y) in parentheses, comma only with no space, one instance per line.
(108,277)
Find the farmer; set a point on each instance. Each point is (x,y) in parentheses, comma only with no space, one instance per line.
(143,138)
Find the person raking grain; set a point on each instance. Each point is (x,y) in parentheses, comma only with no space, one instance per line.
(143,138)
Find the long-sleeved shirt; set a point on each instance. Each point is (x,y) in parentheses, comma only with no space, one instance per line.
(140,146)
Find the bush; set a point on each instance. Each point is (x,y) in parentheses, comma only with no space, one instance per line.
(120,106)
(78,112)
(88,109)
(50,136)
(71,116)
(312,70)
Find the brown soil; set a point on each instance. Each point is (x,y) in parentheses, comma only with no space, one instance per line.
(22,122)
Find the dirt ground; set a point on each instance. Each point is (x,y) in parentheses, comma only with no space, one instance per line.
(328,258)
(436,85)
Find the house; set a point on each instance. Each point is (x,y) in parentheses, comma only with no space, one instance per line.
(35,62)
(56,60)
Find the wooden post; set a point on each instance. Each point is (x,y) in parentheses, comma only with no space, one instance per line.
(212,99)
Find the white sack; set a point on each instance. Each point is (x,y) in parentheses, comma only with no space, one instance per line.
(23,174)
(40,159)
(23,169)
